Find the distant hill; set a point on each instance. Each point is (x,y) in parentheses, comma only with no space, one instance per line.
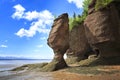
(18,58)
(13,58)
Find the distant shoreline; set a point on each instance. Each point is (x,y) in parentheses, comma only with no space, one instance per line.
(25,59)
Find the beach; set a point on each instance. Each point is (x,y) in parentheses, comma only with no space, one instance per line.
(105,73)
(58,75)
(31,70)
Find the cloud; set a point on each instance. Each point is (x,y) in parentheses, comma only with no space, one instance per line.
(19,11)
(39,21)
(36,50)
(39,46)
(43,38)
(3,46)
(78,3)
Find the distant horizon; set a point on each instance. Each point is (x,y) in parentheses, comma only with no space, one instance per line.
(17,57)
(20,58)
(27,57)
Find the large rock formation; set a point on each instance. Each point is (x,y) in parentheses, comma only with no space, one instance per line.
(102,30)
(78,44)
(58,41)
(100,35)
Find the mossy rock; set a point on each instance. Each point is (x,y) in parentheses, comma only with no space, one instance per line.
(72,60)
(100,61)
(84,70)
(30,67)
(49,67)
(20,68)
(95,66)
(93,70)
(54,65)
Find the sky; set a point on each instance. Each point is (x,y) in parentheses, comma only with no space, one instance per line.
(25,25)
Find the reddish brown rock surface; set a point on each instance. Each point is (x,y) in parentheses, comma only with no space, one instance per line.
(102,30)
(58,41)
(98,39)
(78,44)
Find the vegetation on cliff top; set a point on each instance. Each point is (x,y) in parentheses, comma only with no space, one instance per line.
(76,20)
(103,3)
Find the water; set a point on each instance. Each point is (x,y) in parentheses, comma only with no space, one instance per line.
(10,64)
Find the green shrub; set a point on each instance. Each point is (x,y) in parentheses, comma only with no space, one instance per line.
(102,3)
(77,20)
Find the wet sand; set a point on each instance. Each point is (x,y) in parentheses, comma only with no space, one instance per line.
(59,75)
(73,76)
(27,76)
(8,67)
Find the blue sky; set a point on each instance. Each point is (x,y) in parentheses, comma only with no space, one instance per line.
(25,25)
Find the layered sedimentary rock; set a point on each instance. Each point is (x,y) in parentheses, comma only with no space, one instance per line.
(102,30)
(59,41)
(100,35)
(78,44)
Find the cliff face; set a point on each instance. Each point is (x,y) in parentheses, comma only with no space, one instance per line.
(98,35)
(78,44)
(102,30)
